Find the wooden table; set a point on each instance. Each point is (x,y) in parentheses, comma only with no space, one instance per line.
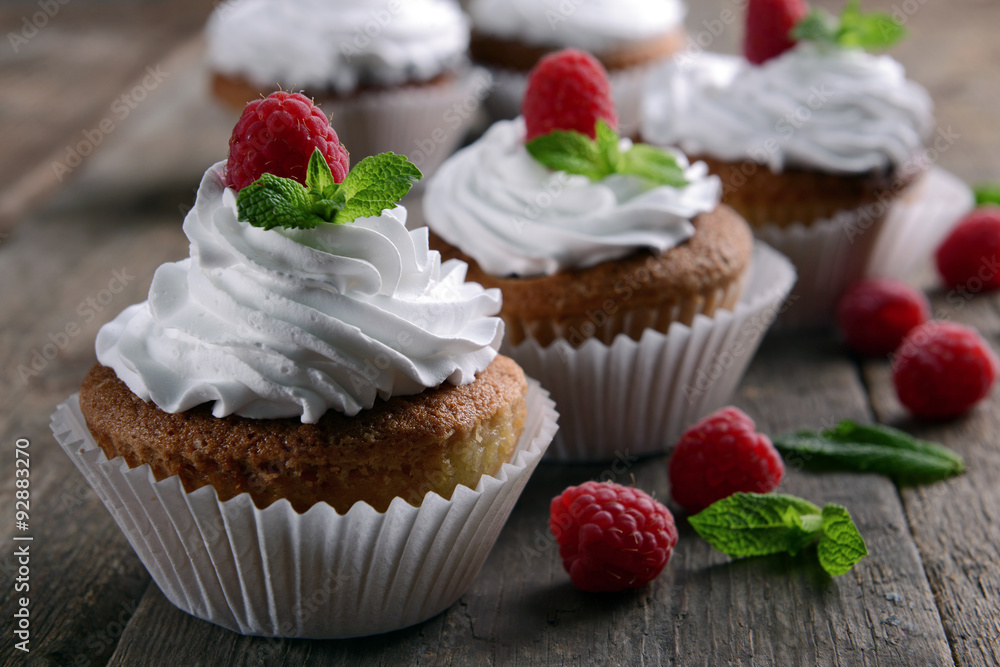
(928,594)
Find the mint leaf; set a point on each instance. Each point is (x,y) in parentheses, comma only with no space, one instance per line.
(841,545)
(987,193)
(752,524)
(273,201)
(658,167)
(571,152)
(374,185)
(871,448)
(575,153)
(871,31)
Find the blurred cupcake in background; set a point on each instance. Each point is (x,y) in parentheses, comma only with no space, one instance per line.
(815,139)
(626,36)
(394,75)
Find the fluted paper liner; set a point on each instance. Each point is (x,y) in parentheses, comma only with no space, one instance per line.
(319,575)
(638,397)
(916,226)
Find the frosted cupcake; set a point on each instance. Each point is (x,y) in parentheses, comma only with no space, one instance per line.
(315,370)
(627,36)
(814,144)
(610,255)
(390,72)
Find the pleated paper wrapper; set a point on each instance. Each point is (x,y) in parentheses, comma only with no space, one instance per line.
(637,397)
(425,123)
(275,572)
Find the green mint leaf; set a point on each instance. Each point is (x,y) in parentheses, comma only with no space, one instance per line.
(871,448)
(753,524)
(852,29)
(375,184)
(987,193)
(656,166)
(819,26)
(841,545)
(319,178)
(273,201)
(571,152)
(608,150)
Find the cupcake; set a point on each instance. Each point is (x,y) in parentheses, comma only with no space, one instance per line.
(814,141)
(610,256)
(627,36)
(313,370)
(391,73)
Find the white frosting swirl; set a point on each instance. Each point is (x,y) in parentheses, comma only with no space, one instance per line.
(839,110)
(290,323)
(515,216)
(338,44)
(593,25)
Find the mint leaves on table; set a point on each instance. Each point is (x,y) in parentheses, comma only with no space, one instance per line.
(576,153)
(852,29)
(987,193)
(375,184)
(755,524)
(872,448)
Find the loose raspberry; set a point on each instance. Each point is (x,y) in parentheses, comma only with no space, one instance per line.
(611,537)
(277,135)
(969,256)
(720,455)
(769,23)
(942,369)
(875,314)
(567,90)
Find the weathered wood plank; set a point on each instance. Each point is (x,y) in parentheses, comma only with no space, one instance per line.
(956,523)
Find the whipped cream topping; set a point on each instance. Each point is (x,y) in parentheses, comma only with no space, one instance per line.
(593,25)
(514,216)
(291,323)
(336,44)
(840,110)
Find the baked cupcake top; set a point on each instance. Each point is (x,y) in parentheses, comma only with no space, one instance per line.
(514,216)
(810,99)
(598,26)
(300,298)
(337,45)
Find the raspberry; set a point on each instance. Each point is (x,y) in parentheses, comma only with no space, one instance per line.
(968,257)
(277,135)
(942,369)
(567,90)
(875,314)
(769,23)
(720,455)
(611,537)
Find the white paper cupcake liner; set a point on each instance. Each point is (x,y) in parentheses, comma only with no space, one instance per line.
(319,575)
(627,85)
(917,225)
(425,123)
(637,397)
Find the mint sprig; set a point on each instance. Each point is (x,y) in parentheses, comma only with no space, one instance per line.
(754,524)
(375,184)
(598,158)
(871,31)
(871,448)
(987,193)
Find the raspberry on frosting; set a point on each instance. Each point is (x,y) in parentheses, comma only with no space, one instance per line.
(611,537)
(277,135)
(567,90)
(768,25)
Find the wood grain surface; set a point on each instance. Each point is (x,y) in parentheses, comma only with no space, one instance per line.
(74,252)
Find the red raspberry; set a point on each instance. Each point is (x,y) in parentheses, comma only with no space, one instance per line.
(567,90)
(942,369)
(611,537)
(968,257)
(720,455)
(876,314)
(277,135)
(769,23)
